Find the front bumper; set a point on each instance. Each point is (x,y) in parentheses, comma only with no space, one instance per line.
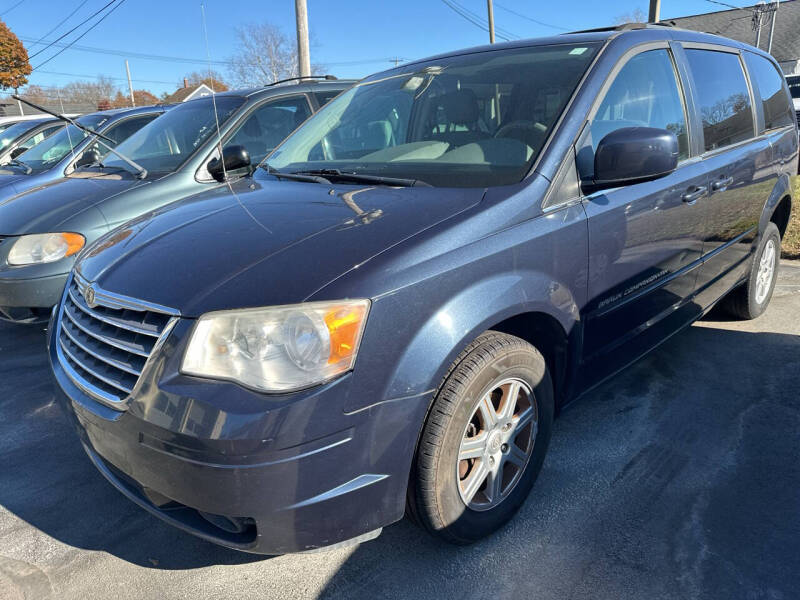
(30,299)
(257,473)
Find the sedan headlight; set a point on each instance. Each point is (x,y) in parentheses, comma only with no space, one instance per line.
(44,248)
(277,349)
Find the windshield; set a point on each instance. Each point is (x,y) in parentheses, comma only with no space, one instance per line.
(465,121)
(166,143)
(794,86)
(16,130)
(49,151)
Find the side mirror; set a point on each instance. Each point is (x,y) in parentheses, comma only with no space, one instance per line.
(235,159)
(17,151)
(634,155)
(89,157)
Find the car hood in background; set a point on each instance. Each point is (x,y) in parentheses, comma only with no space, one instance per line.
(261,243)
(49,207)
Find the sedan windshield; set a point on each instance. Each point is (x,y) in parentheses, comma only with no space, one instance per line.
(165,144)
(15,131)
(473,120)
(49,151)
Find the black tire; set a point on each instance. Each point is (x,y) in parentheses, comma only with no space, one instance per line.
(435,500)
(743,302)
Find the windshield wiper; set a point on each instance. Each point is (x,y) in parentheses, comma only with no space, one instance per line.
(363,178)
(18,163)
(140,170)
(295,176)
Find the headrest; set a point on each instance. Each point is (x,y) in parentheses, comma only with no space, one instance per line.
(461,107)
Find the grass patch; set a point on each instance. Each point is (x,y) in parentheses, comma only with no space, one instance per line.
(791,241)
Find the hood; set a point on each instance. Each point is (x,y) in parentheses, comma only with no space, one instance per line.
(9,177)
(261,243)
(50,206)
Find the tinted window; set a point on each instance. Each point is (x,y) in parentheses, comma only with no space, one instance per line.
(777,111)
(475,119)
(645,93)
(324,97)
(722,96)
(269,124)
(125,129)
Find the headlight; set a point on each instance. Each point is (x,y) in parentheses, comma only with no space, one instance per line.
(44,248)
(277,349)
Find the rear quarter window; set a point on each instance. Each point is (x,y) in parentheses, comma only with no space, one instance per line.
(722,96)
(777,110)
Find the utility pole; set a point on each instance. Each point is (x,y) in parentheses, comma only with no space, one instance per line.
(772,26)
(655,11)
(130,85)
(491,20)
(303,58)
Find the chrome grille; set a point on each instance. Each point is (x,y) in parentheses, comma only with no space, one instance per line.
(104,344)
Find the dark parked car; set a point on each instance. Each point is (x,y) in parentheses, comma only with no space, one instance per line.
(23,135)
(60,154)
(43,228)
(387,317)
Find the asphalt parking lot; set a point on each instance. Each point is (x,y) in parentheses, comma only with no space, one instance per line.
(678,479)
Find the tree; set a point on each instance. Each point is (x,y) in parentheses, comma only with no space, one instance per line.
(14,64)
(264,55)
(143,98)
(211,78)
(637,15)
(87,92)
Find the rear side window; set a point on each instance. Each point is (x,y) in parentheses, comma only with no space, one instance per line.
(324,97)
(777,111)
(722,97)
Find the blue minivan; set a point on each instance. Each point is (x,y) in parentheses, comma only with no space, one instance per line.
(385,318)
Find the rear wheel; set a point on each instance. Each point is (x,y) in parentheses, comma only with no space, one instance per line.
(752,298)
(484,441)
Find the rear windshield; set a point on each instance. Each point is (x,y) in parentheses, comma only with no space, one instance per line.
(167,142)
(794,85)
(49,151)
(474,120)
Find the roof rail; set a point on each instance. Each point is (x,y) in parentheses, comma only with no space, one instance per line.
(625,27)
(300,78)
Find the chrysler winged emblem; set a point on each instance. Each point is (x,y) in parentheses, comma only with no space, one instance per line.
(88,295)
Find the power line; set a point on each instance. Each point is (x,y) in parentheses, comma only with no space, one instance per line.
(103,18)
(58,39)
(527,18)
(60,23)
(466,15)
(476,17)
(8,10)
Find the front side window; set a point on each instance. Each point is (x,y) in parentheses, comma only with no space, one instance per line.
(777,110)
(722,96)
(645,93)
(473,120)
(163,145)
(269,124)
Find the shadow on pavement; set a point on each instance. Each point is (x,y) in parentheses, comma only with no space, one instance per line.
(678,478)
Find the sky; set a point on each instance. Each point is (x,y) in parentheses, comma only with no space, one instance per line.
(352,38)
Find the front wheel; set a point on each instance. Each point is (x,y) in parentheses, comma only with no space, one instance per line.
(484,441)
(752,298)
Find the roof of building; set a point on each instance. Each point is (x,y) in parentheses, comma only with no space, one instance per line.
(737,24)
(188,93)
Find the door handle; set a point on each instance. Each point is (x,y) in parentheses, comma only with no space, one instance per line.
(721,183)
(694,193)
